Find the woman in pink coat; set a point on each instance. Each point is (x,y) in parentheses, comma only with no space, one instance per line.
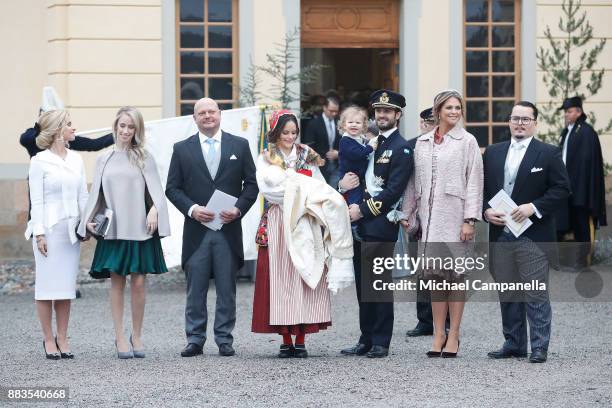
(445,198)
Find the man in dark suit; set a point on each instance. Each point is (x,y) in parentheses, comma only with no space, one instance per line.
(207,161)
(322,135)
(384,186)
(585,210)
(533,175)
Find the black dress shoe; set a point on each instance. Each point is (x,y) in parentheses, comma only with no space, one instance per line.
(226,350)
(419,331)
(286,351)
(300,351)
(358,349)
(191,350)
(503,353)
(538,356)
(51,356)
(378,352)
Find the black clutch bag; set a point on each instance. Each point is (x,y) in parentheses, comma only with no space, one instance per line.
(102,221)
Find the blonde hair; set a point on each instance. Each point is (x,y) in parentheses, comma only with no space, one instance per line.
(136,151)
(51,124)
(441,98)
(349,112)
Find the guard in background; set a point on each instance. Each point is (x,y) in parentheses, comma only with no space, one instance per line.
(585,210)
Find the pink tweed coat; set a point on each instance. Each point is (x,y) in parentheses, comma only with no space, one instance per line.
(457,189)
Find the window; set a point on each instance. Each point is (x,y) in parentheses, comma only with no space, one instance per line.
(491,66)
(207,52)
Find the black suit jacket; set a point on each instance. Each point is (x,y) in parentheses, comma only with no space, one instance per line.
(190,182)
(28,140)
(315,136)
(546,189)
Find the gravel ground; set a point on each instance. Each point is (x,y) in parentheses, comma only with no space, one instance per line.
(576,375)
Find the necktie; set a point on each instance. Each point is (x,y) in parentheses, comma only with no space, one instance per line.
(211,156)
(516,156)
(512,165)
(330,133)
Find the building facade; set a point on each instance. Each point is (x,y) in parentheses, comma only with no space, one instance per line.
(161,55)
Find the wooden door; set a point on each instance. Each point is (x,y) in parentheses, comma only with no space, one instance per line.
(350,23)
(389,59)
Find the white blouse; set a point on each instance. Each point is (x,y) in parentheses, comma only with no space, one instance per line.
(58,190)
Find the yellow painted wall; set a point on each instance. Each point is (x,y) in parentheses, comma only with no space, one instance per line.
(22,72)
(433,57)
(98,54)
(269,26)
(599,14)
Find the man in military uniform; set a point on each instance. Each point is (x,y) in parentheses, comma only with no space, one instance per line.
(385,183)
(585,209)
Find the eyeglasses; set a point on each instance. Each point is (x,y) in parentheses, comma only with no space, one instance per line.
(521,120)
(430,121)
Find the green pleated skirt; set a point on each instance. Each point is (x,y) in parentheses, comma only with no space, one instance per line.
(124,257)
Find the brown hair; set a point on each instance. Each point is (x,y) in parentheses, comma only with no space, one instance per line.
(274,134)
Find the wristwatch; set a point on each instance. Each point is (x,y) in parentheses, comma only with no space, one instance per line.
(469,221)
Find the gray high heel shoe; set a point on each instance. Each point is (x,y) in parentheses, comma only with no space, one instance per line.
(123,355)
(137,353)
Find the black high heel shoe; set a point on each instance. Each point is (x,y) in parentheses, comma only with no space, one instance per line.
(432,353)
(67,354)
(447,354)
(51,356)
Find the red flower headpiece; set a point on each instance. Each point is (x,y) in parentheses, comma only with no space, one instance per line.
(276,116)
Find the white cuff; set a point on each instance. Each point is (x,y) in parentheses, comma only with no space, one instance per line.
(191,210)
(537,213)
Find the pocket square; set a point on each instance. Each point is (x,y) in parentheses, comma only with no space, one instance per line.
(233,157)
(536,169)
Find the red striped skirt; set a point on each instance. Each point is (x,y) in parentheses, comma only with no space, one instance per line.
(284,297)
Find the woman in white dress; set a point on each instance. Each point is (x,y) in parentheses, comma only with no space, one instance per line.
(58,194)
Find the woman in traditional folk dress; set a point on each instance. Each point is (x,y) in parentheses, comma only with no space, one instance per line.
(296,269)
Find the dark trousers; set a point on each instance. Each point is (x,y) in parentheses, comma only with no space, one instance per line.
(582,225)
(375,308)
(521,260)
(212,259)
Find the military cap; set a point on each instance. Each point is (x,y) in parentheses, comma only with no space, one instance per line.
(384,98)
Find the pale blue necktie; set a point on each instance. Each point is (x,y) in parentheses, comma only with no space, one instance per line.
(211,156)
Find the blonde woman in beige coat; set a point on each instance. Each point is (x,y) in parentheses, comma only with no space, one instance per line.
(445,199)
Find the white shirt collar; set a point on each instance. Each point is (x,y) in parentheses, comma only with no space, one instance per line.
(388,133)
(216,137)
(525,142)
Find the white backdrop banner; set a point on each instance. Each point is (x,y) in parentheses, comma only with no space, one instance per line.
(163,134)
